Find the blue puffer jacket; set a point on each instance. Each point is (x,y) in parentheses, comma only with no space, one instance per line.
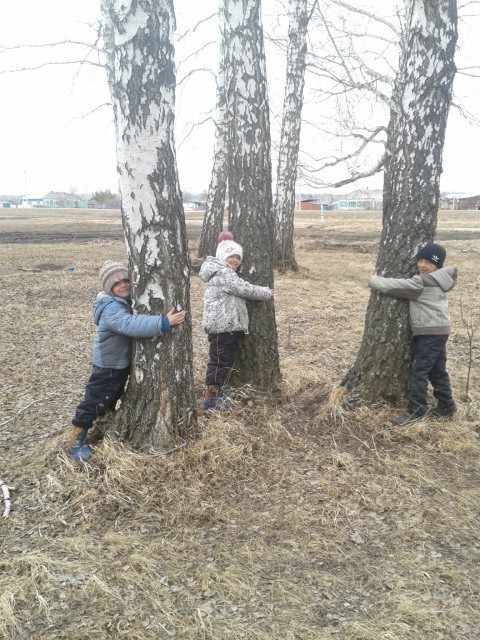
(117,326)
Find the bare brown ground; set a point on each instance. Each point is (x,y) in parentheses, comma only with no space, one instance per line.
(288,519)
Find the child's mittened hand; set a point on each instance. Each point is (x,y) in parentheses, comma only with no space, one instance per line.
(271,294)
(175,317)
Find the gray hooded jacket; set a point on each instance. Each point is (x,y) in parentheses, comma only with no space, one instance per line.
(225,308)
(427,295)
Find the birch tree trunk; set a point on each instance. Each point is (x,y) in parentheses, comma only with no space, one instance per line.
(416,134)
(249,181)
(215,209)
(290,135)
(160,400)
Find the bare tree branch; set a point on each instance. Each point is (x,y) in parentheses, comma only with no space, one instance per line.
(192,71)
(366,140)
(467,4)
(85,115)
(192,127)
(60,43)
(375,17)
(346,86)
(194,53)
(51,64)
(364,174)
(374,75)
(465,72)
(469,117)
(379,166)
(195,27)
(350,82)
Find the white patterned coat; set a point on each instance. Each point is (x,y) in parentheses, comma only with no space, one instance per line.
(225,308)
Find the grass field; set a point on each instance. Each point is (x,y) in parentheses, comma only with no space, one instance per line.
(289,518)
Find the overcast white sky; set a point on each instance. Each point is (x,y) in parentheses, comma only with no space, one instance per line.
(57,125)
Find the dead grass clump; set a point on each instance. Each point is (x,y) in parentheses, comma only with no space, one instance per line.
(334,410)
(8,623)
(125,482)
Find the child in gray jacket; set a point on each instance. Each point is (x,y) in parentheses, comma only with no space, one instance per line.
(225,316)
(430,321)
(117,325)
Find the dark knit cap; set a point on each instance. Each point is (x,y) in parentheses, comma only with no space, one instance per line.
(434,253)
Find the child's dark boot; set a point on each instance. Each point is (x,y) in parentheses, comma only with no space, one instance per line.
(444,412)
(411,415)
(212,393)
(80,451)
(214,398)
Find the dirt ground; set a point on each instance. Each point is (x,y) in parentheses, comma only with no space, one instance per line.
(289,518)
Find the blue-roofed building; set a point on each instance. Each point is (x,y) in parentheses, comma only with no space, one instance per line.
(31,202)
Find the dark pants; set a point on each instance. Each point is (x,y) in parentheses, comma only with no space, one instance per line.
(104,389)
(429,365)
(221,355)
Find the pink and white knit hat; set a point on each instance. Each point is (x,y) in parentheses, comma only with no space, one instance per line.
(227,247)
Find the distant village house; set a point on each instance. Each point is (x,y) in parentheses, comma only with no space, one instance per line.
(109,203)
(356,204)
(460,201)
(31,202)
(315,203)
(64,200)
(361,200)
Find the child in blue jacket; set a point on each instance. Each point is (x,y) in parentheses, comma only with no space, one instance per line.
(117,325)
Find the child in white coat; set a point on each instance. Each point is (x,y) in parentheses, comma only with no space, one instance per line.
(225,317)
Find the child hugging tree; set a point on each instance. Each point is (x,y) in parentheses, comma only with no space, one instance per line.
(225,316)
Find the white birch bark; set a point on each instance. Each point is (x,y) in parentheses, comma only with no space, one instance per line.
(416,134)
(290,135)
(138,41)
(215,208)
(249,180)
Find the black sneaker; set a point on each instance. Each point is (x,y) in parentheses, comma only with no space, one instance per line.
(407,417)
(444,412)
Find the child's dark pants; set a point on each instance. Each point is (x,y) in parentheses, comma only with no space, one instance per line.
(429,365)
(221,355)
(104,389)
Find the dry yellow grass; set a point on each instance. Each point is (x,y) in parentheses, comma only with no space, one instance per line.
(288,519)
